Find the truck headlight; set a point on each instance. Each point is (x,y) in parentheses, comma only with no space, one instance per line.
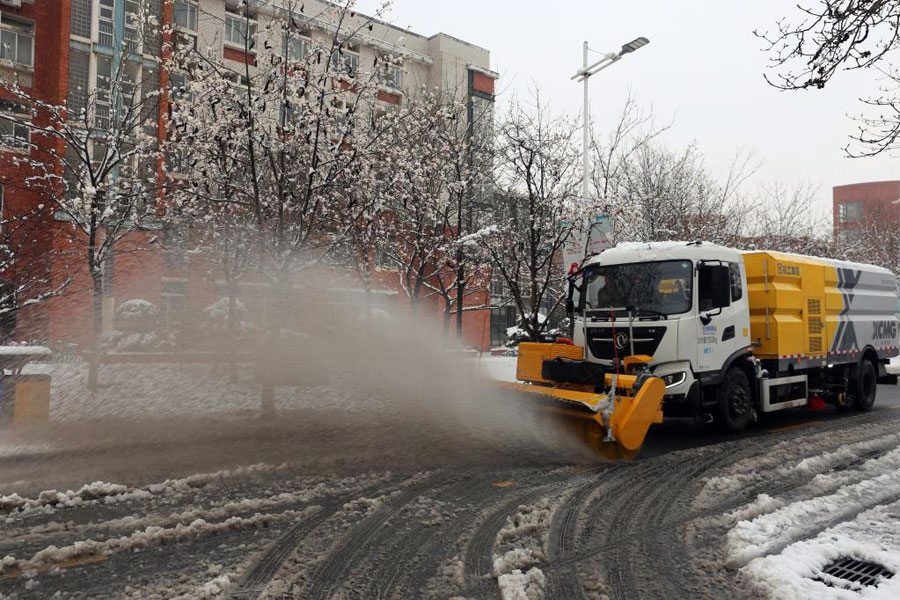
(673,379)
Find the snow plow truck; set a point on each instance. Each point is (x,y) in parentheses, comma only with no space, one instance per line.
(714,333)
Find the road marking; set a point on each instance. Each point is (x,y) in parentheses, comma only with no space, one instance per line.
(66,564)
(797,426)
(504,484)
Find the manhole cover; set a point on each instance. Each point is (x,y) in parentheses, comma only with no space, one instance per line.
(856,571)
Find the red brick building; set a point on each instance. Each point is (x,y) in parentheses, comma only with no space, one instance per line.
(858,204)
(58,49)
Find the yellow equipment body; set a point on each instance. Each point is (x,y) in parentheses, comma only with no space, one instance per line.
(613,422)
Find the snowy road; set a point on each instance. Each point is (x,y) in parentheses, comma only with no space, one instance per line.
(250,516)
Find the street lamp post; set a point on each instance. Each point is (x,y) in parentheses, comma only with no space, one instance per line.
(583,75)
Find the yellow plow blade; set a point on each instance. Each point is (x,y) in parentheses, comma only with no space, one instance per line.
(582,413)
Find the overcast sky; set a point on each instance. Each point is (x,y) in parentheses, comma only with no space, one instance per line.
(704,67)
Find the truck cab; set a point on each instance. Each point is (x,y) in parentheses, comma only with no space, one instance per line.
(682,305)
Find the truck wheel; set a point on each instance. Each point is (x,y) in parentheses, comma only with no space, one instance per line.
(735,406)
(864,385)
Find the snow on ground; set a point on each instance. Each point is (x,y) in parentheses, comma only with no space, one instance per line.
(757,469)
(772,531)
(794,573)
(500,368)
(844,503)
(169,389)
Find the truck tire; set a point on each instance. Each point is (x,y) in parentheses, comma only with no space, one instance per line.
(735,405)
(864,385)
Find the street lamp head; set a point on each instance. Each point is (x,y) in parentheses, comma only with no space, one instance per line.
(634,45)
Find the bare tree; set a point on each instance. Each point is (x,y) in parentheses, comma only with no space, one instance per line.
(538,202)
(834,35)
(613,152)
(94,159)
(785,219)
(282,137)
(667,195)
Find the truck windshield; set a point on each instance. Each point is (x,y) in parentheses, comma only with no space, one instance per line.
(662,288)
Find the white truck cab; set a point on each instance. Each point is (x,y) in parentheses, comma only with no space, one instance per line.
(684,305)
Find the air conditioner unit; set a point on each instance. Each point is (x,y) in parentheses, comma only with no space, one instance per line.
(13,3)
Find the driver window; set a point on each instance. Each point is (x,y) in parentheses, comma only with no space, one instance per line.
(714,288)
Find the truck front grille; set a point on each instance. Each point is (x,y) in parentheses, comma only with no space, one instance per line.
(605,345)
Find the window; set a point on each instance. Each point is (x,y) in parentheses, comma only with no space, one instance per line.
(16,40)
(132,32)
(346,60)
(737,291)
(14,131)
(81,18)
(713,287)
(150,100)
(850,212)
(103,99)
(186,15)
(131,77)
(174,301)
(152,31)
(239,31)
(105,23)
(654,287)
(392,75)
(78,84)
(342,115)
(296,47)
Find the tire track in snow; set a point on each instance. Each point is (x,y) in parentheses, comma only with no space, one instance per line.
(564,583)
(425,543)
(261,574)
(329,575)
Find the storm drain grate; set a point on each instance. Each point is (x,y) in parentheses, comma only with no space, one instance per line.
(856,571)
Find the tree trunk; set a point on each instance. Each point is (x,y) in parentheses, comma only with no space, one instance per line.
(97,298)
(232,334)
(460,296)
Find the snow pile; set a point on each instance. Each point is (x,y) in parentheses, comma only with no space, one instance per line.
(522,586)
(515,559)
(136,308)
(762,505)
(147,538)
(48,501)
(528,520)
(211,590)
(773,531)
(873,536)
(522,541)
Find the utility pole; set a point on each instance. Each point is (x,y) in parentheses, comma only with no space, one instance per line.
(584,75)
